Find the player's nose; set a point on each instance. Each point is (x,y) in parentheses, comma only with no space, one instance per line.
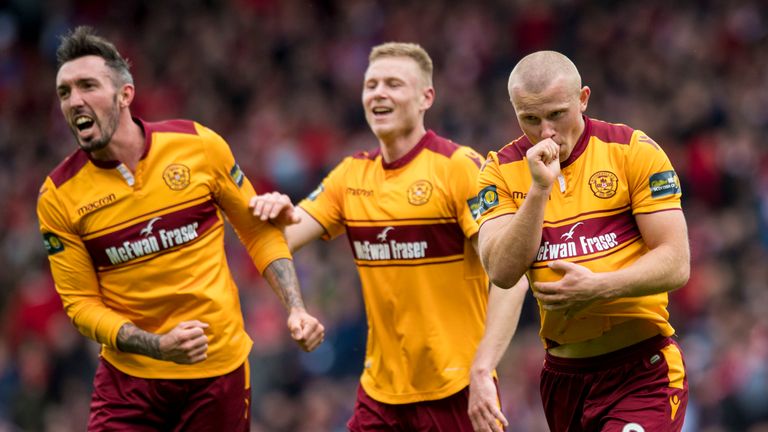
(547,130)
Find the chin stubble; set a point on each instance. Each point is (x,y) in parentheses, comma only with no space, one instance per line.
(106,133)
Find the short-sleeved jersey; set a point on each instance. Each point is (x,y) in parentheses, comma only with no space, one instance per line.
(409,225)
(612,174)
(148,247)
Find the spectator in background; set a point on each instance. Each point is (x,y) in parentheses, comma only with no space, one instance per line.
(407,208)
(133,226)
(591,212)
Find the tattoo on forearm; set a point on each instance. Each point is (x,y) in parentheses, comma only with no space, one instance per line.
(281,276)
(135,340)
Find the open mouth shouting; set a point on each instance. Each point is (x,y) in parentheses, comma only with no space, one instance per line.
(84,126)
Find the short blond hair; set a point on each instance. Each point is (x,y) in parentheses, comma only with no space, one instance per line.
(537,71)
(405,49)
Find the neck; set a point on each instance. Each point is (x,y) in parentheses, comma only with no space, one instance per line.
(395,147)
(126,145)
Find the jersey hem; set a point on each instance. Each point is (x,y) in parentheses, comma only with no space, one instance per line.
(394,399)
(180,371)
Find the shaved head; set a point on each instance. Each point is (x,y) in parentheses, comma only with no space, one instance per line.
(538,71)
(545,90)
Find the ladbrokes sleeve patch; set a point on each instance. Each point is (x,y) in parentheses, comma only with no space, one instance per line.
(663,184)
(52,243)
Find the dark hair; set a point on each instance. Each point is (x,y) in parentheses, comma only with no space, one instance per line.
(83,41)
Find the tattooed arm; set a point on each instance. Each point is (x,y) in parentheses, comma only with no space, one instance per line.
(185,344)
(298,229)
(281,276)
(305,329)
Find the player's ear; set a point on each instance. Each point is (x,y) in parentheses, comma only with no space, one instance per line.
(427,97)
(125,95)
(584,98)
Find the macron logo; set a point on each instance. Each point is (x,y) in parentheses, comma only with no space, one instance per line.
(147,231)
(569,234)
(382,236)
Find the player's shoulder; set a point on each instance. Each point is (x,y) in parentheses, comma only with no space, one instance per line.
(623,138)
(440,145)
(68,168)
(178,126)
(189,132)
(356,161)
(451,151)
(614,133)
(363,155)
(65,171)
(512,152)
(170,131)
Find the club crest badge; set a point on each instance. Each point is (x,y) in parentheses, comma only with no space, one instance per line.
(604,184)
(176,176)
(419,192)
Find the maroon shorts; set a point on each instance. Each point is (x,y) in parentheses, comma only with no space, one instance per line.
(639,388)
(124,403)
(442,415)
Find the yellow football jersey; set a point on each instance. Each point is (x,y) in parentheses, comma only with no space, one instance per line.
(408,223)
(613,173)
(148,247)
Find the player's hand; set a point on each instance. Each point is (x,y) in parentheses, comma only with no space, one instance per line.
(578,288)
(305,329)
(274,207)
(483,409)
(185,344)
(544,162)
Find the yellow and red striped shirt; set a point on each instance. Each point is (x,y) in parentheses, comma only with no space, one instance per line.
(148,247)
(408,223)
(613,173)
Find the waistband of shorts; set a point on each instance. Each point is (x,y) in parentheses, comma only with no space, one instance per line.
(608,360)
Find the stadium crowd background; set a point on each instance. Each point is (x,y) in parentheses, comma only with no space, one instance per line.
(281,81)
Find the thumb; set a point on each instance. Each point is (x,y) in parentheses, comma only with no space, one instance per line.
(560,266)
(297,332)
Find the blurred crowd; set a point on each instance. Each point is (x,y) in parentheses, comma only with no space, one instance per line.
(281,81)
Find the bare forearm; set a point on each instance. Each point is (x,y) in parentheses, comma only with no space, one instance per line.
(509,251)
(281,276)
(137,341)
(503,314)
(662,269)
(665,267)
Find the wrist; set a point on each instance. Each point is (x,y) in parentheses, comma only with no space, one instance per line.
(480,371)
(297,309)
(537,188)
(606,290)
(162,344)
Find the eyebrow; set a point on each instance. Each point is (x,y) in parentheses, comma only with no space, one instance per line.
(77,81)
(85,79)
(546,112)
(385,79)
